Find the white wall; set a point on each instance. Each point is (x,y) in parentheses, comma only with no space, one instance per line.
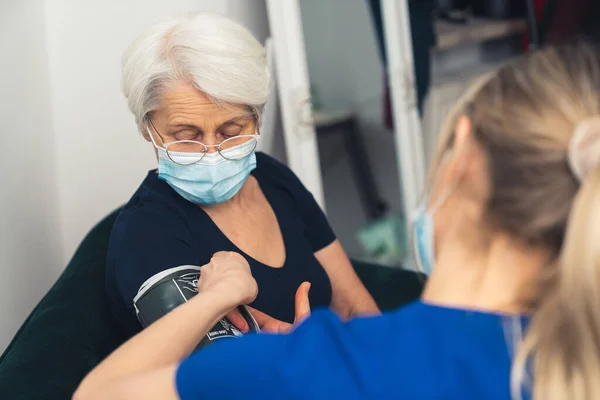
(30,253)
(251,13)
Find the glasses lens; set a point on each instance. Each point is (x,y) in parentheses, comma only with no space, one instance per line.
(185,152)
(237,148)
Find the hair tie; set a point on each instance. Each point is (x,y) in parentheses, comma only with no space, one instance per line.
(584,148)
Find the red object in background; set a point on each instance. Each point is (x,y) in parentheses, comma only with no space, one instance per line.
(567,20)
(539,7)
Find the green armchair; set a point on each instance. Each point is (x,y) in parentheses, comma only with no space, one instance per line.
(71,330)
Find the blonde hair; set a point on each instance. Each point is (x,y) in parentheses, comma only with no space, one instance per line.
(524,116)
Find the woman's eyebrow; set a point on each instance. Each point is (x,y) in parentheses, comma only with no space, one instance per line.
(178,127)
(237,120)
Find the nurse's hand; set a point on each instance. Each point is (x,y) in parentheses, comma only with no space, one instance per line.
(272,325)
(228,274)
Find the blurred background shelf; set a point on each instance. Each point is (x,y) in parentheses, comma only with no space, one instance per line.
(451,34)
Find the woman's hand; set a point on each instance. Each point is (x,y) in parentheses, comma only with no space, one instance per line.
(228,274)
(270,324)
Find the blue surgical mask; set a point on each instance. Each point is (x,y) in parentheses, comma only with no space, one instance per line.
(423,234)
(212,180)
(423,238)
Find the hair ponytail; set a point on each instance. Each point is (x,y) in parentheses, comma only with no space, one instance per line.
(562,345)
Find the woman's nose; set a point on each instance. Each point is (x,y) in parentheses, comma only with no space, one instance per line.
(210,140)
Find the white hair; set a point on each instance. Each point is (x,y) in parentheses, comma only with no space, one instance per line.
(217,55)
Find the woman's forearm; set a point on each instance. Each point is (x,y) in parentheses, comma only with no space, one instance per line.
(349,297)
(165,342)
(365,305)
(347,307)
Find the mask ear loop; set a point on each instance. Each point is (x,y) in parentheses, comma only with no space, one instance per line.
(426,209)
(445,195)
(441,200)
(415,251)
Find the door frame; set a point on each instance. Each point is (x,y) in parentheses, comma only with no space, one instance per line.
(293,84)
(407,123)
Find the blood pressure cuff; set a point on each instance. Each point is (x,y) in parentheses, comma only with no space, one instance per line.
(168,289)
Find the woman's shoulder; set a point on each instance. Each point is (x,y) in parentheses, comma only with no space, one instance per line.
(153,209)
(269,161)
(270,171)
(419,342)
(150,234)
(153,197)
(269,166)
(330,354)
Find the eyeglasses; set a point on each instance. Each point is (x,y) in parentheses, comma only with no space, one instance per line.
(187,152)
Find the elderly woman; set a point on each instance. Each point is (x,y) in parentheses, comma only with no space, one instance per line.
(197,86)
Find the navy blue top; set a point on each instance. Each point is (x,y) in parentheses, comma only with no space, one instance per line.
(158,229)
(417,352)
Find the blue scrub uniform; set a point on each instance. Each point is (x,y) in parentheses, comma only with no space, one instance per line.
(420,351)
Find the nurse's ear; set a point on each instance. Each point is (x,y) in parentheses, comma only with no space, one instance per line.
(467,165)
(457,158)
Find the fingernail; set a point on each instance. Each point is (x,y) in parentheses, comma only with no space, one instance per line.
(308,287)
